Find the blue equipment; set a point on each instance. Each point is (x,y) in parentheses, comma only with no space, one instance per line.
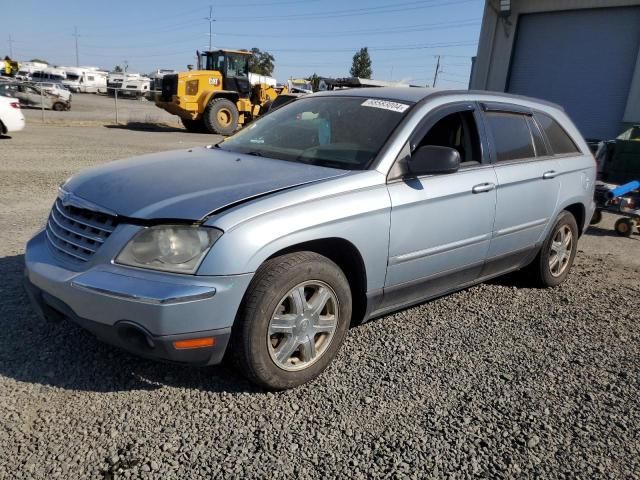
(622,200)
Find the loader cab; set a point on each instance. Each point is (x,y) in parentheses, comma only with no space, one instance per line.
(234,67)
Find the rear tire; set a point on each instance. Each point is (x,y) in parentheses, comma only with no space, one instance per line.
(282,340)
(553,263)
(221,116)
(194,126)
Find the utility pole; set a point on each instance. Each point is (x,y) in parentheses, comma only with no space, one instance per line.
(75,34)
(435,75)
(10,46)
(210,19)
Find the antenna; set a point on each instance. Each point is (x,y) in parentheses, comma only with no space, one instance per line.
(210,19)
(435,75)
(75,34)
(11,42)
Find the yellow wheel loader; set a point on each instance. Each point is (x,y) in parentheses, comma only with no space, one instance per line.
(217,97)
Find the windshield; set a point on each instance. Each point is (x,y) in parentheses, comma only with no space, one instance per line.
(339,132)
(72,76)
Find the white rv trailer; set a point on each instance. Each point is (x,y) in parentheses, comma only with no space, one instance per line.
(130,84)
(85,79)
(256,79)
(27,68)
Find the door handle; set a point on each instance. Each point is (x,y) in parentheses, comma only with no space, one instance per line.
(483,187)
(549,175)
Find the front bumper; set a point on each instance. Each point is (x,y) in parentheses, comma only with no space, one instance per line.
(180,106)
(141,311)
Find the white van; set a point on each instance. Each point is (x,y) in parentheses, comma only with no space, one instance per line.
(53,75)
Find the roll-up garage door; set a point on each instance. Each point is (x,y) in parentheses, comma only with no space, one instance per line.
(581,59)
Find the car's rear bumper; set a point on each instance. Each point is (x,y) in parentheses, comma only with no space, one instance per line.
(140,311)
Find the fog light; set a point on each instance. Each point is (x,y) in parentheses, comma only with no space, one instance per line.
(194,343)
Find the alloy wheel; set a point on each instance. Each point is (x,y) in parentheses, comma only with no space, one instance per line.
(560,250)
(303,325)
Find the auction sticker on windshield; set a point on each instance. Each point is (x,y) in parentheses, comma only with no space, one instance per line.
(385,104)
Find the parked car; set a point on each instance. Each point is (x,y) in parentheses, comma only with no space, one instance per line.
(30,96)
(56,89)
(334,209)
(11,118)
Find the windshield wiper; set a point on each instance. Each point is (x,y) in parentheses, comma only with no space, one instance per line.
(255,154)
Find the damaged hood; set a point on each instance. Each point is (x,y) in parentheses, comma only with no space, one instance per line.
(189,184)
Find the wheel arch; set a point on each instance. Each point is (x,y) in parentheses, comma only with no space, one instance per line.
(578,211)
(347,256)
(228,94)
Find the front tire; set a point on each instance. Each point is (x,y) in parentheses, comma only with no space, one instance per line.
(58,106)
(221,116)
(553,263)
(293,320)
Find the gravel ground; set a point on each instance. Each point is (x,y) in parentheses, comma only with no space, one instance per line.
(500,380)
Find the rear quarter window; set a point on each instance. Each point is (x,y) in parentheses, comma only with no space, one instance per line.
(511,136)
(559,140)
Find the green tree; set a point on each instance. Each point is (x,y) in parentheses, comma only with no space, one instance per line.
(39,60)
(261,62)
(361,66)
(117,69)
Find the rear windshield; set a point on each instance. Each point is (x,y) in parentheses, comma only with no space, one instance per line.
(338,132)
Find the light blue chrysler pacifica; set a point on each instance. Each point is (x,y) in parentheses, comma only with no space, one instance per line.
(333,209)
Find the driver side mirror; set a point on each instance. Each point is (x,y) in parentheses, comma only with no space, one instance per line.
(433,160)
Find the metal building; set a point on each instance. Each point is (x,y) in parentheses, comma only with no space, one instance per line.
(582,54)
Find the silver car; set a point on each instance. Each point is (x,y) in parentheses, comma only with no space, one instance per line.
(334,209)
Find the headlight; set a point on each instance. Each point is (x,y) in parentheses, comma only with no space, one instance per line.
(172,248)
(191,87)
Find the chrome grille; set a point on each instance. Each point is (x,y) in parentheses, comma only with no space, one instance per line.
(76,232)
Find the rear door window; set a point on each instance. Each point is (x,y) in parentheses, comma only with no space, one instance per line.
(559,139)
(511,136)
(538,139)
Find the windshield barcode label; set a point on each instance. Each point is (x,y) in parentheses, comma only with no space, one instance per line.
(385,104)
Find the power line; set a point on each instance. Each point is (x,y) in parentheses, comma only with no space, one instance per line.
(416,5)
(376,49)
(359,33)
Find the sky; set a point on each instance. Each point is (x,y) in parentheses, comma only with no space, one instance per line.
(404,37)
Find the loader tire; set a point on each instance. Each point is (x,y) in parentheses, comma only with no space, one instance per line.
(221,116)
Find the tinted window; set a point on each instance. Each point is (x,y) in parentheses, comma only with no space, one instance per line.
(458,131)
(511,136)
(558,138)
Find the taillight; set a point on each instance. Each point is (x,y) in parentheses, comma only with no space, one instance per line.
(15,104)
